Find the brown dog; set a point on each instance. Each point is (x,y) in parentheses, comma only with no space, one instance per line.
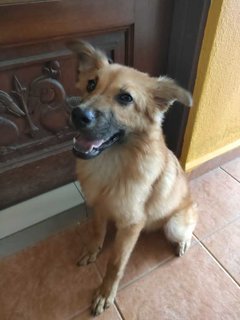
(131,177)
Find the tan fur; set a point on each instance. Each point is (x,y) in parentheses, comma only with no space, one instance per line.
(138,184)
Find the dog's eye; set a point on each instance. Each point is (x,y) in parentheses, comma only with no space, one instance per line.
(124,98)
(91,85)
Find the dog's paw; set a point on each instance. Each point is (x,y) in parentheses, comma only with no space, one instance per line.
(101,302)
(88,257)
(182,247)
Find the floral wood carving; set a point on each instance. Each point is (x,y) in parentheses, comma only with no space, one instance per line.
(20,92)
(9,130)
(49,94)
(34,113)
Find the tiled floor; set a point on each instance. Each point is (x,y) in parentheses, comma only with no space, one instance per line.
(43,282)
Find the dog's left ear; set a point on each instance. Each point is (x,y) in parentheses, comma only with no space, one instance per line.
(89,57)
(167,91)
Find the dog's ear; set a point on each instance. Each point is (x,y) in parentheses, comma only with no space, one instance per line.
(167,91)
(89,57)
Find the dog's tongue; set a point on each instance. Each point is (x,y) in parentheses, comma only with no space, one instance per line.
(84,145)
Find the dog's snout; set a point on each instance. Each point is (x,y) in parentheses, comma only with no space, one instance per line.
(83,118)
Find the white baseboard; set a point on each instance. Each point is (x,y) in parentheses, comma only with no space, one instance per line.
(37,209)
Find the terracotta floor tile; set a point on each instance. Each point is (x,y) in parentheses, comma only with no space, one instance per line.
(151,249)
(43,282)
(109,314)
(191,287)
(233,168)
(218,198)
(225,246)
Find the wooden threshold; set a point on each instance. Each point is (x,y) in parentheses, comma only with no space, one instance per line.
(214,163)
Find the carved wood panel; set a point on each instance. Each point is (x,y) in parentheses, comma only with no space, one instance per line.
(34,114)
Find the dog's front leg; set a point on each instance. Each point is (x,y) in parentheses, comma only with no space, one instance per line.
(96,235)
(125,241)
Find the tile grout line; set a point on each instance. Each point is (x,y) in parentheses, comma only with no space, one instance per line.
(79,191)
(88,215)
(84,201)
(135,280)
(218,262)
(171,257)
(217,230)
(78,313)
(229,174)
(144,274)
(119,312)
(98,271)
(98,268)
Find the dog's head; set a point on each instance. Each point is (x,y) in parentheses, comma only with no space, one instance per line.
(116,102)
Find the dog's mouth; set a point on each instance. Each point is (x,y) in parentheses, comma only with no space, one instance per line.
(86,149)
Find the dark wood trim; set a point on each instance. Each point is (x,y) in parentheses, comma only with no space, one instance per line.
(23,2)
(189,20)
(214,163)
(43,174)
(129,45)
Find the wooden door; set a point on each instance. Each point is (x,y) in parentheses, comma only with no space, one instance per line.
(37,73)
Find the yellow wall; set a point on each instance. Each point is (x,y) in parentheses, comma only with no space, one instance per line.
(214,123)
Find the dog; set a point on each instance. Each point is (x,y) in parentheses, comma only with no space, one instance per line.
(127,173)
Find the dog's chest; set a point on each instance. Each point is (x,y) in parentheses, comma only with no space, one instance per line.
(117,186)
(99,178)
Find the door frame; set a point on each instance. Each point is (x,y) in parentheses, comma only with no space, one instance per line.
(189,21)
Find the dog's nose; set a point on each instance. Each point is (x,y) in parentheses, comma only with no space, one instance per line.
(83,117)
